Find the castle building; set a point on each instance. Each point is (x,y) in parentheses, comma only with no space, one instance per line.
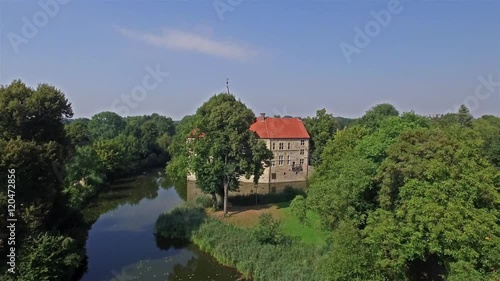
(288,139)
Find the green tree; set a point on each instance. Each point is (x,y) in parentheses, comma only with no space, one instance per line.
(118,155)
(223,148)
(177,168)
(348,258)
(488,127)
(445,120)
(84,173)
(33,114)
(345,122)
(77,132)
(375,145)
(345,194)
(106,125)
(32,138)
(438,201)
(164,124)
(47,257)
(344,143)
(464,116)
(298,208)
(377,114)
(321,128)
(268,231)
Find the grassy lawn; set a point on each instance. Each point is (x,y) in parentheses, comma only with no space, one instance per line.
(249,216)
(310,233)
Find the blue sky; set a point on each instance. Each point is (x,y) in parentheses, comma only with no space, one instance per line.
(281,57)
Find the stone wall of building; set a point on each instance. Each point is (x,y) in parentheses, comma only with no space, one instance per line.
(290,168)
(249,188)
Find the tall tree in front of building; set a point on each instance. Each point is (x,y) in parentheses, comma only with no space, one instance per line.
(224,148)
(321,127)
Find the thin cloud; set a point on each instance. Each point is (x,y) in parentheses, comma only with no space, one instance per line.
(181,40)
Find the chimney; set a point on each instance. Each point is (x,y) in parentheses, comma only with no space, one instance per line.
(262,117)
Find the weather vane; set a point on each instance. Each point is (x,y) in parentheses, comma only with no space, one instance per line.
(227,85)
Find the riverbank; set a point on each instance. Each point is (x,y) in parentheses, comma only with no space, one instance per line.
(239,248)
(248,217)
(120,245)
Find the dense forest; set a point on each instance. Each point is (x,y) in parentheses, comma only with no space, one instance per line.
(400,196)
(60,164)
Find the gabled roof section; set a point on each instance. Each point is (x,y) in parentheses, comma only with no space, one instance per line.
(194,133)
(279,128)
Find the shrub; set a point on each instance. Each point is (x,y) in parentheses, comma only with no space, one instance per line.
(180,222)
(269,230)
(204,201)
(79,194)
(299,209)
(241,249)
(47,257)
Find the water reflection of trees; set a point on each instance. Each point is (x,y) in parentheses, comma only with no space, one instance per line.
(201,267)
(167,244)
(129,190)
(124,191)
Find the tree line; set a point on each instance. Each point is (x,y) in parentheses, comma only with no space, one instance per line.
(408,197)
(404,197)
(60,165)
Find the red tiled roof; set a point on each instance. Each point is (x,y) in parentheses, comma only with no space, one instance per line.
(280,128)
(194,132)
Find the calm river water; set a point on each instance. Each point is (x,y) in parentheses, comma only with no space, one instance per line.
(121,245)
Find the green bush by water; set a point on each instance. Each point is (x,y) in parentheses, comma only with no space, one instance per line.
(181,222)
(284,259)
(204,201)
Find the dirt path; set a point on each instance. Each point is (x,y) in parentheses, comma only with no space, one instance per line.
(248,216)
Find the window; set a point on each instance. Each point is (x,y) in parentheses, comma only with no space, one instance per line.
(288,160)
(289,146)
(273,189)
(302,142)
(302,152)
(280,160)
(274,146)
(273,176)
(273,163)
(301,161)
(281,146)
